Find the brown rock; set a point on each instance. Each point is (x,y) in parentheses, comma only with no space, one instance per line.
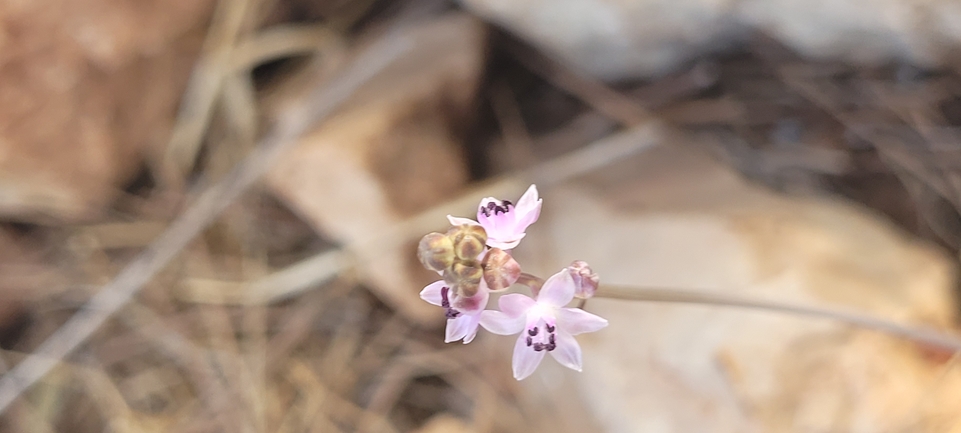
(391,152)
(85,86)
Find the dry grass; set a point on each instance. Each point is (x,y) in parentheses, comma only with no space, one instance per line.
(236,317)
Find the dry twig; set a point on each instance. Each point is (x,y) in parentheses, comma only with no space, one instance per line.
(208,206)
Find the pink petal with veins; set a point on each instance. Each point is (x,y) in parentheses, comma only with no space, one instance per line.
(500,323)
(577,321)
(505,222)
(515,304)
(432,294)
(558,290)
(525,361)
(567,352)
(458,328)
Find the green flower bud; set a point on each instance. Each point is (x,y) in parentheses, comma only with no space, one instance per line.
(469,241)
(436,251)
(464,277)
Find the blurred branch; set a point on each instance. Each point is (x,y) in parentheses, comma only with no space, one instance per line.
(202,91)
(684,296)
(595,93)
(326,265)
(208,206)
(227,52)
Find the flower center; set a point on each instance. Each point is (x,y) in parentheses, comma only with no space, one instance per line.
(493,208)
(445,302)
(540,341)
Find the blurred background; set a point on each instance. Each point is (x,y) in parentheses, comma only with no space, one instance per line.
(263,170)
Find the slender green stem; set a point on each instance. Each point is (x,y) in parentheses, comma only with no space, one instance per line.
(650,294)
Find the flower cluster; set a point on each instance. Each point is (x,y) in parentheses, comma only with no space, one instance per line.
(474,260)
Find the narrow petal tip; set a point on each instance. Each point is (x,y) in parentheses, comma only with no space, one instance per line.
(506,245)
(458,221)
(558,290)
(525,360)
(432,293)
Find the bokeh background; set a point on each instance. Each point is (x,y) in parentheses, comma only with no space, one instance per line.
(255,174)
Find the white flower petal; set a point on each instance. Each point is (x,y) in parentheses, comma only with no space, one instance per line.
(505,245)
(458,221)
(458,328)
(472,330)
(485,222)
(499,323)
(558,290)
(432,293)
(496,222)
(577,321)
(567,352)
(473,304)
(515,304)
(500,226)
(527,201)
(525,359)
(525,220)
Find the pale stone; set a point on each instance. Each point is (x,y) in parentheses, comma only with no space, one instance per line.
(616,39)
(629,39)
(675,218)
(445,423)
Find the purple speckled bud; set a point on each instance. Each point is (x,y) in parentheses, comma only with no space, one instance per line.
(585,280)
(500,270)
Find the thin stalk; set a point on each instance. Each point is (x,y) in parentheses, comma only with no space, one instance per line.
(650,294)
(531,281)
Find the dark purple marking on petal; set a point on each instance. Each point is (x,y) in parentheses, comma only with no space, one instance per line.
(451,313)
(548,340)
(492,208)
(444,301)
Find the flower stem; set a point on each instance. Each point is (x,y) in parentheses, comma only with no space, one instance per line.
(532,281)
(648,294)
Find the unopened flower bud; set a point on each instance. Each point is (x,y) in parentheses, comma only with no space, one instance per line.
(585,280)
(436,251)
(468,240)
(464,277)
(500,270)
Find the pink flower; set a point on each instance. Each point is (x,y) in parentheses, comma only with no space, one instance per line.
(547,326)
(463,313)
(504,222)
